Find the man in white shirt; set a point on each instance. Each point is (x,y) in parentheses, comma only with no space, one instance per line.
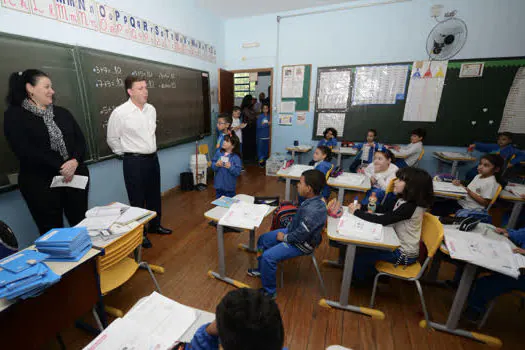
(131,133)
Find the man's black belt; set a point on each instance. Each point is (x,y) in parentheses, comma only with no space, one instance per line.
(141,155)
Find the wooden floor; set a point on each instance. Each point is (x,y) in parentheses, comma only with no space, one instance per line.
(191,251)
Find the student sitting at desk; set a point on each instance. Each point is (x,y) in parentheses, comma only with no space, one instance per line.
(329,138)
(380,172)
(301,236)
(367,150)
(503,147)
(245,319)
(489,287)
(321,162)
(414,195)
(412,150)
(480,190)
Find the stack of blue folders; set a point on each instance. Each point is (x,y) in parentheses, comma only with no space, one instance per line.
(24,275)
(64,244)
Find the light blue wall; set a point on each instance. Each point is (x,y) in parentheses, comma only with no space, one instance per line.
(107,183)
(386,33)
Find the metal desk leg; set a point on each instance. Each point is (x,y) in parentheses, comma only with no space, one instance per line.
(339,263)
(341,195)
(293,155)
(299,156)
(250,248)
(222,263)
(287,189)
(457,308)
(345,290)
(514,216)
(454,168)
(339,156)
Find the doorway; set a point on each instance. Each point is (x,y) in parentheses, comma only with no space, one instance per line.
(234,86)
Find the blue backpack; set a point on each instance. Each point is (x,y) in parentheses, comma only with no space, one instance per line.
(481,214)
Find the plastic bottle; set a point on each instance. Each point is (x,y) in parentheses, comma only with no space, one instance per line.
(372,203)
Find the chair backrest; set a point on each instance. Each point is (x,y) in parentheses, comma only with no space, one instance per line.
(389,189)
(121,248)
(420,156)
(496,195)
(431,233)
(329,172)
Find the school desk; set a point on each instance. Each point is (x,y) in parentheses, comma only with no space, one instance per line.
(344,151)
(389,242)
(449,195)
(342,185)
(215,215)
(30,323)
(290,174)
(517,206)
(299,150)
(399,154)
(454,159)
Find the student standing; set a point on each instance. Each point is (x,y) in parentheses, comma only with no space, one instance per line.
(263,135)
(131,133)
(227,166)
(48,142)
(237,125)
(224,122)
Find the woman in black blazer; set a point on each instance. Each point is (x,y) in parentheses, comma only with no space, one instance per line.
(48,142)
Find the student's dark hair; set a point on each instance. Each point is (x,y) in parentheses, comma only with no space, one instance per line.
(236,108)
(387,153)
(374,131)
(507,134)
(419,132)
(234,140)
(265,104)
(498,162)
(246,319)
(226,117)
(130,79)
(334,132)
(315,179)
(326,151)
(418,186)
(17,92)
(247,101)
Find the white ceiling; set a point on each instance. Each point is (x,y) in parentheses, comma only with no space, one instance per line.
(248,8)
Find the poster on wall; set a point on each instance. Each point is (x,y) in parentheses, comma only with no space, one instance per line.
(379,84)
(285,119)
(293,81)
(334,89)
(513,119)
(330,120)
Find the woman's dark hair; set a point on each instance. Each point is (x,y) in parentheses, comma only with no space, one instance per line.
(418,186)
(247,101)
(326,151)
(498,162)
(246,319)
(234,140)
(17,85)
(334,132)
(387,153)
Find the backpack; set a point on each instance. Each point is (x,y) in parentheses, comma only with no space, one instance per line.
(481,214)
(283,215)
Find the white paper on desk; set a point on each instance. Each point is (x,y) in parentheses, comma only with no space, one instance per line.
(244,215)
(455,155)
(296,170)
(133,214)
(352,226)
(442,186)
(162,317)
(119,205)
(103,211)
(349,179)
(78,181)
(245,198)
(98,222)
(125,334)
(518,190)
(520,260)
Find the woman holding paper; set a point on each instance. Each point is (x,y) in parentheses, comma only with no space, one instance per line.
(48,142)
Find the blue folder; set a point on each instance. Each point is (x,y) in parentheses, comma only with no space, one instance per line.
(22,260)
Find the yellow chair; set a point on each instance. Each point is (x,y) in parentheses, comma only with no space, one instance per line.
(389,189)
(420,157)
(203,149)
(117,266)
(496,195)
(432,236)
(516,293)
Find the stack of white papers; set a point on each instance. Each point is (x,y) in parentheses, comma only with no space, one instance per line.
(353,227)
(493,254)
(133,214)
(348,179)
(296,170)
(245,215)
(442,186)
(245,198)
(78,181)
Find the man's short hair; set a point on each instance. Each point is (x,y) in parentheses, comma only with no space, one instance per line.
(130,79)
(315,179)
(247,319)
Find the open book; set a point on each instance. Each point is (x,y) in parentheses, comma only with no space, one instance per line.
(353,227)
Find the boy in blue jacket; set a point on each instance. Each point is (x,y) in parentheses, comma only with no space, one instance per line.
(245,319)
(366,152)
(301,236)
(329,138)
(503,147)
(227,165)
(489,287)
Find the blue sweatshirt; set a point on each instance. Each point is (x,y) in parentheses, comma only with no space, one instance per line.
(304,231)
(324,167)
(329,143)
(359,146)
(518,237)
(506,152)
(226,179)
(263,129)
(203,341)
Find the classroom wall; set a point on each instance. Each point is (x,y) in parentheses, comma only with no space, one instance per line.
(107,183)
(386,33)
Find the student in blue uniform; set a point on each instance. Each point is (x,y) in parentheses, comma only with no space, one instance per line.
(366,152)
(245,319)
(503,147)
(301,236)
(227,166)
(329,138)
(490,287)
(224,122)
(321,162)
(263,135)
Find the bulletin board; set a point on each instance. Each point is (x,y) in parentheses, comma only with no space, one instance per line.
(290,86)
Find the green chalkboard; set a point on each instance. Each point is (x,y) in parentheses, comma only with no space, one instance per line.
(303,103)
(463,101)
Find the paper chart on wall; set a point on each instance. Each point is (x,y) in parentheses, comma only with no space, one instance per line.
(330,120)
(293,81)
(379,84)
(427,79)
(513,119)
(334,89)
